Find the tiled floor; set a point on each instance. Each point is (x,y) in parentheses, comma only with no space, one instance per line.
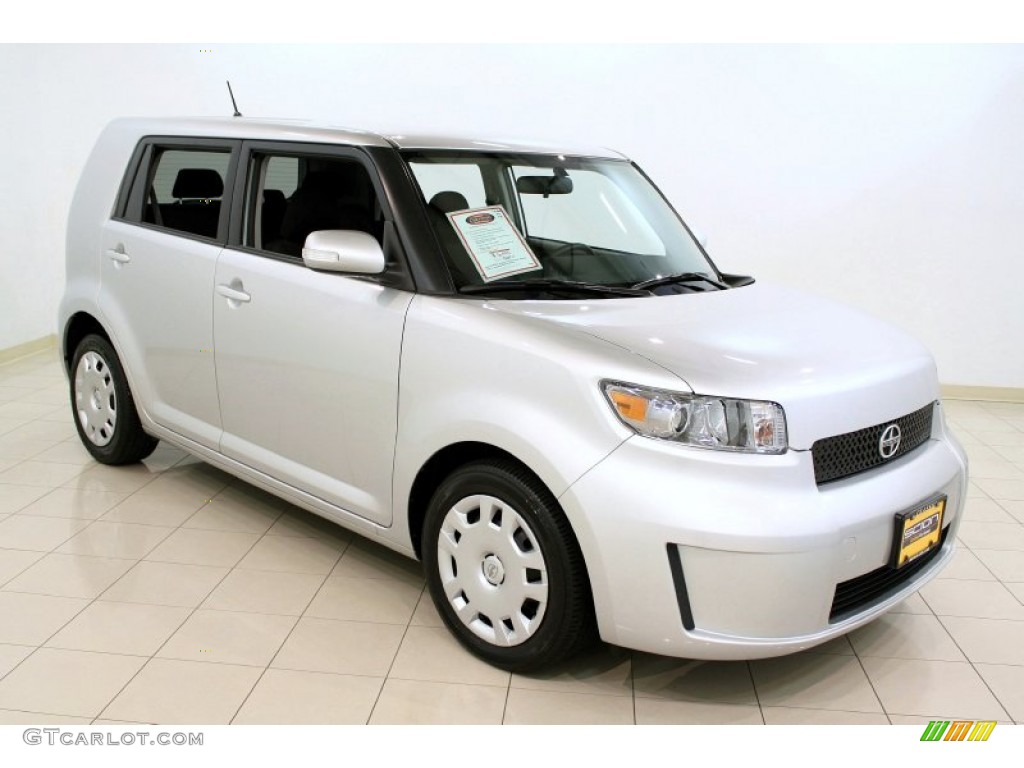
(170,593)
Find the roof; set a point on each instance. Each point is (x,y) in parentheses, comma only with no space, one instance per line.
(322,132)
(430,141)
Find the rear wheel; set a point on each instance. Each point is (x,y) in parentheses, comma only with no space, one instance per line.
(103,407)
(504,568)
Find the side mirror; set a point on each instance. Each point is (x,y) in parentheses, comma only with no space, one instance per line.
(737,281)
(343,250)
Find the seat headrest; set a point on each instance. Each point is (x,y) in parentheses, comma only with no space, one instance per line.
(273,197)
(448,201)
(342,179)
(319,183)
(202,183)
(317,205)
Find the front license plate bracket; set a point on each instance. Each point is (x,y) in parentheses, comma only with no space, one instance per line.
(918,531)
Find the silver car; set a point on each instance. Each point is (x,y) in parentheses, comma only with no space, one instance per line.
(517,364)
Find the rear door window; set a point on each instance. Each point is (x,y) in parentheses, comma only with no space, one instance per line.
(181,189)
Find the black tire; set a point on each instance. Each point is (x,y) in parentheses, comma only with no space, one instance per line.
(566,623)
(105,417)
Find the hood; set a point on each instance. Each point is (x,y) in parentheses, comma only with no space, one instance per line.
(832,368)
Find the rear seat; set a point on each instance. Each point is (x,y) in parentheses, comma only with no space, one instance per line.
(197,207)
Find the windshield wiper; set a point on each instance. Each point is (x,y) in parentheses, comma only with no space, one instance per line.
(553,285)
(684,277)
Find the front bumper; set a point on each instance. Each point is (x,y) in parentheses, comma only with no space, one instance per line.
(761,548)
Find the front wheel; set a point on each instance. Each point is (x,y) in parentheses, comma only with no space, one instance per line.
(504,568)
(102,404)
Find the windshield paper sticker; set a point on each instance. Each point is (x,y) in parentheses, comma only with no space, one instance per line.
(493,242)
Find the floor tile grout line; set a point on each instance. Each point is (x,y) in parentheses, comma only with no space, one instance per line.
(96,598)
(71,618)
(149,661)
(53,550)
(4,583)
(946,716)
(984,565)
(508,694)
(92,651)
(107,522)
(391,666)
(22,460)
(145,664)
(874,690)
(632,681)
(966,616)
(757,695)
(56,632)
(193,609)
(826,709)
(89,605)
(51,714)
(298,620)
(970,661)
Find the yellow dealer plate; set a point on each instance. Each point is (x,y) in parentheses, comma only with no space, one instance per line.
(918,531)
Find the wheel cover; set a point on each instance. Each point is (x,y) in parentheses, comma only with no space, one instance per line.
(95,399)
(492,570)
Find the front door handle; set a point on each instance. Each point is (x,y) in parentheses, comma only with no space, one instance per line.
(232,293)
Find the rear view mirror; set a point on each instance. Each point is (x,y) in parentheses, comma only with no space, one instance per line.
(343,250)
(544,185)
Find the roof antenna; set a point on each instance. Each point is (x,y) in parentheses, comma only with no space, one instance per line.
(232,95)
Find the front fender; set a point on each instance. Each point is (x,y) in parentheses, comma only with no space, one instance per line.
(521,384)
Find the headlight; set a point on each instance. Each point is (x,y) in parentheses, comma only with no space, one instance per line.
(720,423)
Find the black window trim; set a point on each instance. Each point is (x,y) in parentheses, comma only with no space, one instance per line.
(394,276)
(139,159)
(426,258)
(131,201)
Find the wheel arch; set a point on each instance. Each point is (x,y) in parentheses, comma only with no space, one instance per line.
(80,325)
(445,461)
(435,470)
(127,440)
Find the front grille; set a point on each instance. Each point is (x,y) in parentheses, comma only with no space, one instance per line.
(844,455)
(855,594)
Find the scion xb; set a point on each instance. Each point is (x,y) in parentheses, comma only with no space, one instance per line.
(513,362)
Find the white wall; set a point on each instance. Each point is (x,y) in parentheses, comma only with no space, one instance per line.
(890,178)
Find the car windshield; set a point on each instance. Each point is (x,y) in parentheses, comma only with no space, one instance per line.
(553,220)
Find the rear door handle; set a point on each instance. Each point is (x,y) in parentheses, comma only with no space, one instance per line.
(233,294)
(117,255)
